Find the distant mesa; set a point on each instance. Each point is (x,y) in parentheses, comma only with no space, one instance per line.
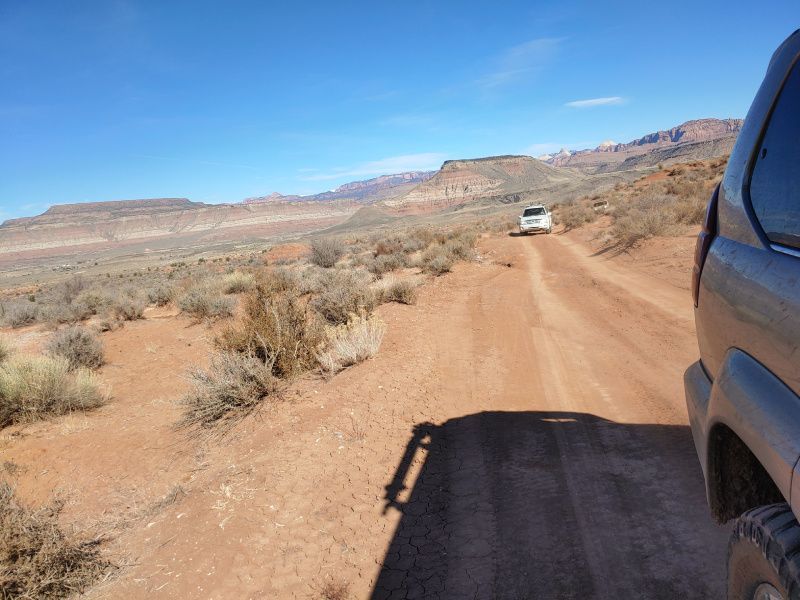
(127,225)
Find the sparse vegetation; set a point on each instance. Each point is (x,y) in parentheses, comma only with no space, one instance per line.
(344,293)
(403,291)
(20,314)
(655,205)
(238,282)
(161,294)
(352,343)
(437,261)
(572,216)
(6,350)
(384,263)
(233,385)
(126,308)
(335,589)
(204,301)
(79,346)
(325,252)
(278,329)
(38,559)
(33,388)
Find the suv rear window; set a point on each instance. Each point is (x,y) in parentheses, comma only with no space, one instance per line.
(533,212)
(775,183)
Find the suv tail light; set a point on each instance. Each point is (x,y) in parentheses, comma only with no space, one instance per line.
(707,235)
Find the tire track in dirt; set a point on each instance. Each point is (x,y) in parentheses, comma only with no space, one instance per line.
(581,438)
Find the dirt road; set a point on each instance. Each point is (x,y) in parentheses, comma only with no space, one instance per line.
(574,476)
(521,434)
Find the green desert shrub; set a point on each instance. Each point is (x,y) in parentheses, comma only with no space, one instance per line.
(33,388)
(79,346)
(436,260)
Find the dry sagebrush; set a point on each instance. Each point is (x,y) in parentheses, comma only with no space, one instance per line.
(79,346)
(325,252)
(38,559)
(234,384)
(279,329)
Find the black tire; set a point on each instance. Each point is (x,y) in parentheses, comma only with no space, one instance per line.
(549,230)
(765,549)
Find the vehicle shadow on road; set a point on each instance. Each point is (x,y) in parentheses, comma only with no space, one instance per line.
(550,505)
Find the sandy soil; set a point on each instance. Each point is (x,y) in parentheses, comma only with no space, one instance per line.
(522,433)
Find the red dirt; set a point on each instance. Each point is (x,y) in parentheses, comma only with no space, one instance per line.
(556,459)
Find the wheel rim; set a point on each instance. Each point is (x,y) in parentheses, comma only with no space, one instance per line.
(767,592)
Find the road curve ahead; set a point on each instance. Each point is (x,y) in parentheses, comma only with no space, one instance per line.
(565,468)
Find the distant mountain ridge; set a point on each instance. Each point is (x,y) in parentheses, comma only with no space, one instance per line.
(138,225)
(376,188)
(695,131)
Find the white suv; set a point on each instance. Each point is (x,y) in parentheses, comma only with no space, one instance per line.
(535,218)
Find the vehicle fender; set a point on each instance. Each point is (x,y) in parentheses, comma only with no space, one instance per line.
(763,412)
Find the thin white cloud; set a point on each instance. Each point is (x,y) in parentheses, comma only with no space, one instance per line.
(592,102)
(425,161)
(525,60)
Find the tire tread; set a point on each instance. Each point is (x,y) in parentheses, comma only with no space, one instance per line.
(775,531)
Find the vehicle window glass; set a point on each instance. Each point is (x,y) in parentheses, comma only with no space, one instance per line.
(775,184)
(533,212)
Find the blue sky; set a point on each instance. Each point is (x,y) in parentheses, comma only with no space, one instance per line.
(218,101)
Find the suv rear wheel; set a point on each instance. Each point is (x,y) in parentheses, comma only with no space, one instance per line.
(764,555)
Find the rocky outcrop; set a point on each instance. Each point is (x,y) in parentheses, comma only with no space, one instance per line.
(101,224)
(461,181)
(609,153)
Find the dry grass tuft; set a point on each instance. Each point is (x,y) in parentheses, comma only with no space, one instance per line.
(79,346)
(238,282)
(352,343)
(6,350)
(232,386)
(403,291)
(38,559)
(437,261)
(335,589)
(33,388)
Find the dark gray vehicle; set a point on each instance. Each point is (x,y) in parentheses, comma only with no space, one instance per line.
(743,395)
